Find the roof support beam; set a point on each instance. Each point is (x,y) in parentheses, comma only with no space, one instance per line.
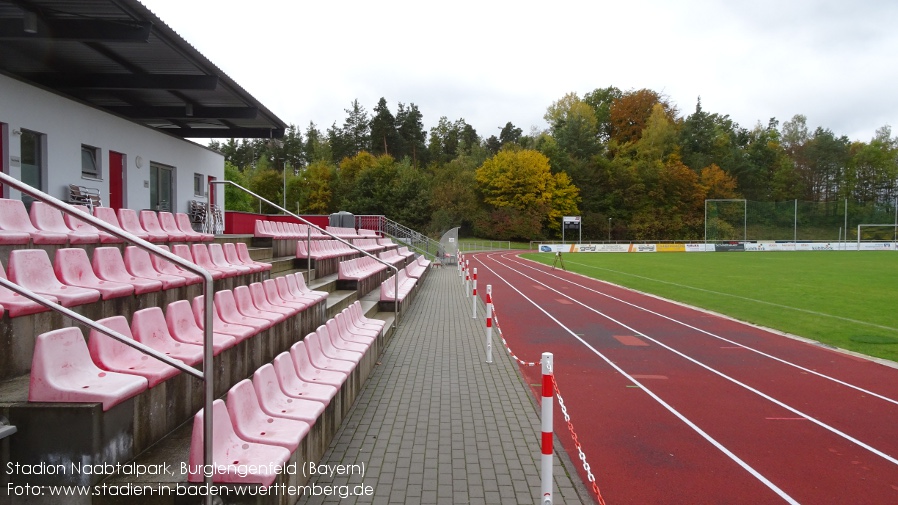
(182,113)
(225,133)
(124,81)
(83,30)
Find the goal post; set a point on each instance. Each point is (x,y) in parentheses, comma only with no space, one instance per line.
(722,218)
(881,232)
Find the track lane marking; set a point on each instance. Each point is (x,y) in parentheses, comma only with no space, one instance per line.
(723,339)
(722,375)
(757,475)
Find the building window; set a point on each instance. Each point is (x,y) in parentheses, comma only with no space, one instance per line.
(90,166)
(198,188)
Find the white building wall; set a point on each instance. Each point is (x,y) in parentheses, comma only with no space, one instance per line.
(67,125)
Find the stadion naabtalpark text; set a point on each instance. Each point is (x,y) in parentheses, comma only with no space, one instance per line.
(760,246)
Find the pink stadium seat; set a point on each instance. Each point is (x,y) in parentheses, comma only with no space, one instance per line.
(184,225)
(238,331)
(49,220)
(243,254)
(15,224)
(31,268)
(287,295)
(72,267)
(108,264)
(149,328)
(230,253)
(17,305)
(234,460)
(351,333)
(150,222)
(80,226)
(183,327)
(169,226)
(327,347)
(293,385)
(139,264)
(62,371)
(185,252)
(364,322)
(253,425)
(131,223)
(216,253)
(163,266)
(202,258)
(275,402)
(226,306)
(297,284)
(323,362)
(274,297)
(245,304)
(261,301)
(108,214)
(307,371)
(110,354)
(340,342)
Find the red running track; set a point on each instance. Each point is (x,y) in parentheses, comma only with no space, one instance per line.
(675,405)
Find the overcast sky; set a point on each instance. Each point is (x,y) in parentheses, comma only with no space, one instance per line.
(491,62)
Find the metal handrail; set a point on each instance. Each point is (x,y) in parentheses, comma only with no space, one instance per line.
(206,375)
(309,245)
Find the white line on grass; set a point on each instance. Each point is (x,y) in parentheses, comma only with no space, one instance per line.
(713,335)
(738,297)
(717,372)
(773,487)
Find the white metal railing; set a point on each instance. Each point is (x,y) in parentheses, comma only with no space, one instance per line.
(208,290)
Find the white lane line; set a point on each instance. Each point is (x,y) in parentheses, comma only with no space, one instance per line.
(713,335)
(773,487)
(724,376)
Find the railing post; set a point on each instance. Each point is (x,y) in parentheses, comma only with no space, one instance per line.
(546,414)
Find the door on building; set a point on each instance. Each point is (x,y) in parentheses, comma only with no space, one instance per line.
(32,162)
(116,180)
(161,190)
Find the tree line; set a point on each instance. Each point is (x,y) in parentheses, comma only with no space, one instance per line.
(628,158)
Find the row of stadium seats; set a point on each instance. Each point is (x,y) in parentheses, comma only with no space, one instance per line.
(44,225)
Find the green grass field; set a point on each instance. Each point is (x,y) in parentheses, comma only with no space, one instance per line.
(844,299)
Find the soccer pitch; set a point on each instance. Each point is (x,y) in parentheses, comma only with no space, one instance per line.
(844,299)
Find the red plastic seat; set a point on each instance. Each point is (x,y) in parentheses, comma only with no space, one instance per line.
(341,342)
(253,425)
(108,214)
(226,306)
(150,222)
(169,226)
(234,460)
(216,253)
(183,327)
(62,371)
(238,331)
(261,301)
(293,385)
(110,354)
(183,251)
(108,264)
(306,370)
(230,254)
(201,257)
(245,304)
(243,254)
(359,320)
(323,362)
(149,328)
(49,220)
(80,226)
(327,347)
(163,266)
(183,221)
(72,267)
(139,264)
(31,268)
(275,298)
(17,305)
(287,295)
(297,284)
(353,333)
(275,402)
(15,225)
(131,223)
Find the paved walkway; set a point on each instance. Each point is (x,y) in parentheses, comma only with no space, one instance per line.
(436,424)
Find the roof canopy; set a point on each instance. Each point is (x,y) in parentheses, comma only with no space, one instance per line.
(117,56)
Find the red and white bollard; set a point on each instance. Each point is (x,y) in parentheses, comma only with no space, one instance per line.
(467,278)
(474,295)
(489,323)
(546,459)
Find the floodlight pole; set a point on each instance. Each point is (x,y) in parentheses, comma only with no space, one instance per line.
(609,230)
